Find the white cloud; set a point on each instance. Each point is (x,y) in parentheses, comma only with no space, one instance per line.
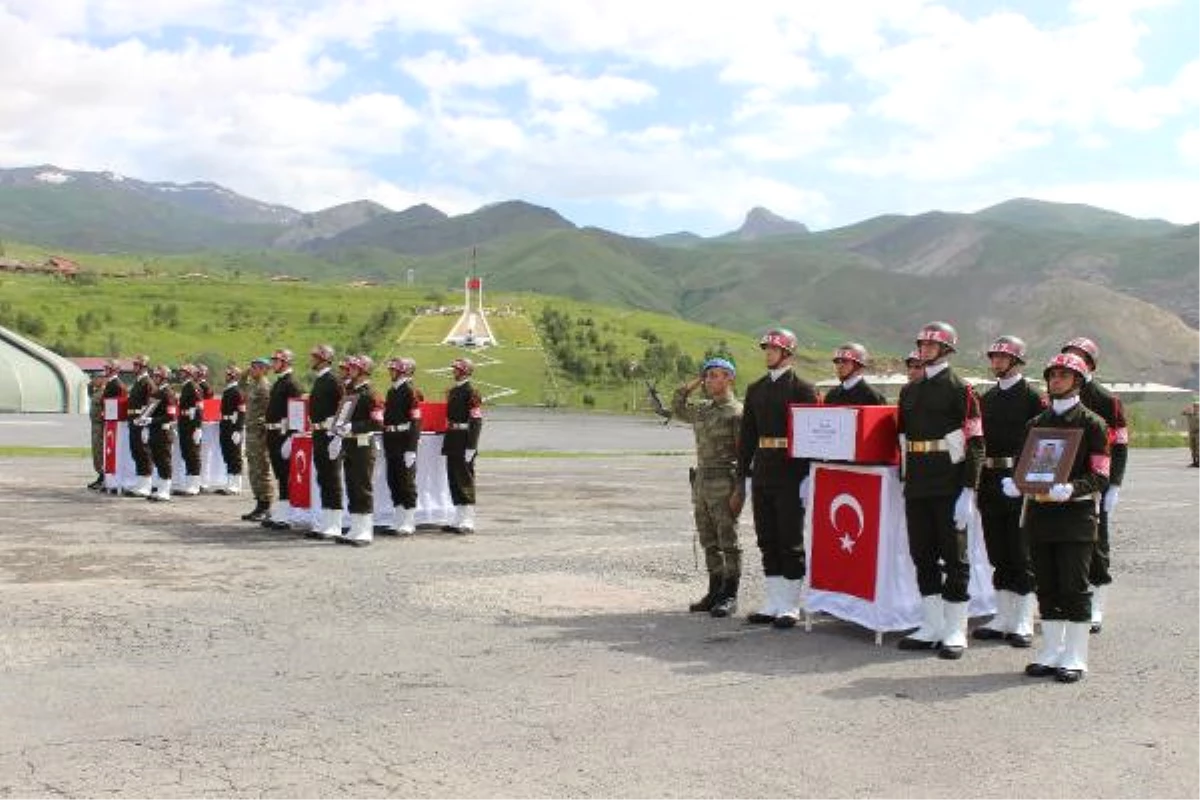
(786,133)
(1189,149)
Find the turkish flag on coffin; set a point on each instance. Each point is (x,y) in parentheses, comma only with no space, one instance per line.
(110,447)
(300,473)
(845,532)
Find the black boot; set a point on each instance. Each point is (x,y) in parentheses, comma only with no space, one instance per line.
(261,507)
(97,484)
(726,604)
(706,603)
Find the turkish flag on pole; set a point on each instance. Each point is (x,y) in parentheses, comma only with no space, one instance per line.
(845,532)
(474,283)
(300,472)
(110,447)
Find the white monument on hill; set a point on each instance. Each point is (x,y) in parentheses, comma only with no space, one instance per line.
(472,329)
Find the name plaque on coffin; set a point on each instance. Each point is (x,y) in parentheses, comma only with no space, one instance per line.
(298,414)
(856,434)
(115,408)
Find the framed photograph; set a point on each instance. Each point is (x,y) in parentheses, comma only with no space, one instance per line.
(1046,458)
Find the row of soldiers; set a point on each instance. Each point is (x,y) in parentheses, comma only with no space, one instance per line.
(959,451)
(349,422)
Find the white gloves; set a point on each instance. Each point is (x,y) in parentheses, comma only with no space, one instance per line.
(1009,487)
(469,455)
(335,447)
(145,434)
(236,438)
(410,458)
(963,507)
(804,491)
(197,435)
(285,449)
(192,412)
(1110,499)
(141,422)
(1061,492)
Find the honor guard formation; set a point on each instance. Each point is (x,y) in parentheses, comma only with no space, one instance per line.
(347,426)
(1049,547)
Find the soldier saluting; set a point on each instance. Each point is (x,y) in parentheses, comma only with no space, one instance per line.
(941,437)
(717,498)
(850,362)
(258,461)
(1006,409)
(464,421)
(283,391)
(1062,525)
(323,403)
(775,478)
(401,437)
(1100,400)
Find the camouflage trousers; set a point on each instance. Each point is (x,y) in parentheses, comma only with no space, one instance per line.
(98,446)
(258,465)
(715,522)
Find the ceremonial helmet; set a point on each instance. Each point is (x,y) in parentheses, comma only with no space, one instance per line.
(111,367)
(463,367)
(362,363)
(186,371)
(1090,350)
(233,372)
(1067,361)
(1008,346)
(161,373)
(941,332)
(852,351)
(782,338)
(323,353)
(201,371)
(719,363)
(913,359)
(282,354)
(139,362)
(402,366)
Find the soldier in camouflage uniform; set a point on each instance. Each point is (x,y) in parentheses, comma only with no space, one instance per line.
(258,392)
(716,496)
(96,412)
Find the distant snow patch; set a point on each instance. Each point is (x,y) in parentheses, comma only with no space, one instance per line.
(53,177)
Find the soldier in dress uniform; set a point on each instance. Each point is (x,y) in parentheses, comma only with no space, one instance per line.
(232,429)
(202,382)
(258,460)
(401,437)
(107,385)
(139,435)
(357,436)
(324,400)
(850,362)
(163,419)
(191,422)
(279,445)
(717,498)
(914,366)
(464,421)
(1062,524)
(775,478)
(941,439)
(1006,409)
(1097,397)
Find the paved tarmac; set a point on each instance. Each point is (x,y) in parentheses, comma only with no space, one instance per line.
(175,651)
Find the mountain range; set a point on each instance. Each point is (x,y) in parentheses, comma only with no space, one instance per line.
(1044,271)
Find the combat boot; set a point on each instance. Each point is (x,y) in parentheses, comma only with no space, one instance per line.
(725,604)
(261,507)
(97,484)
(706,603)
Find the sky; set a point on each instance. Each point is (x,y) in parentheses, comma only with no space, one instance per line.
(644,117)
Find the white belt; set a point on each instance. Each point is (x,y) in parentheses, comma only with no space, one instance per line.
(397,428)
(459,426)
(1007,462)
(276,426)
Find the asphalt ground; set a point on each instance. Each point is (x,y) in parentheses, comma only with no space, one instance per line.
(151,650)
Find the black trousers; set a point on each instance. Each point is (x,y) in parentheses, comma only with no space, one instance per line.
(401,480)
(189,448)
(358,460)
(329,472)
(779,527)
(1062,579)
(460,474)
(938,549)
(160,449)
(139,450)
(1098,574)
(232,453)
(279,465)
(1007,545)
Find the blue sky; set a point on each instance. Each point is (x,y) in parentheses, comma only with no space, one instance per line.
(640,117)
